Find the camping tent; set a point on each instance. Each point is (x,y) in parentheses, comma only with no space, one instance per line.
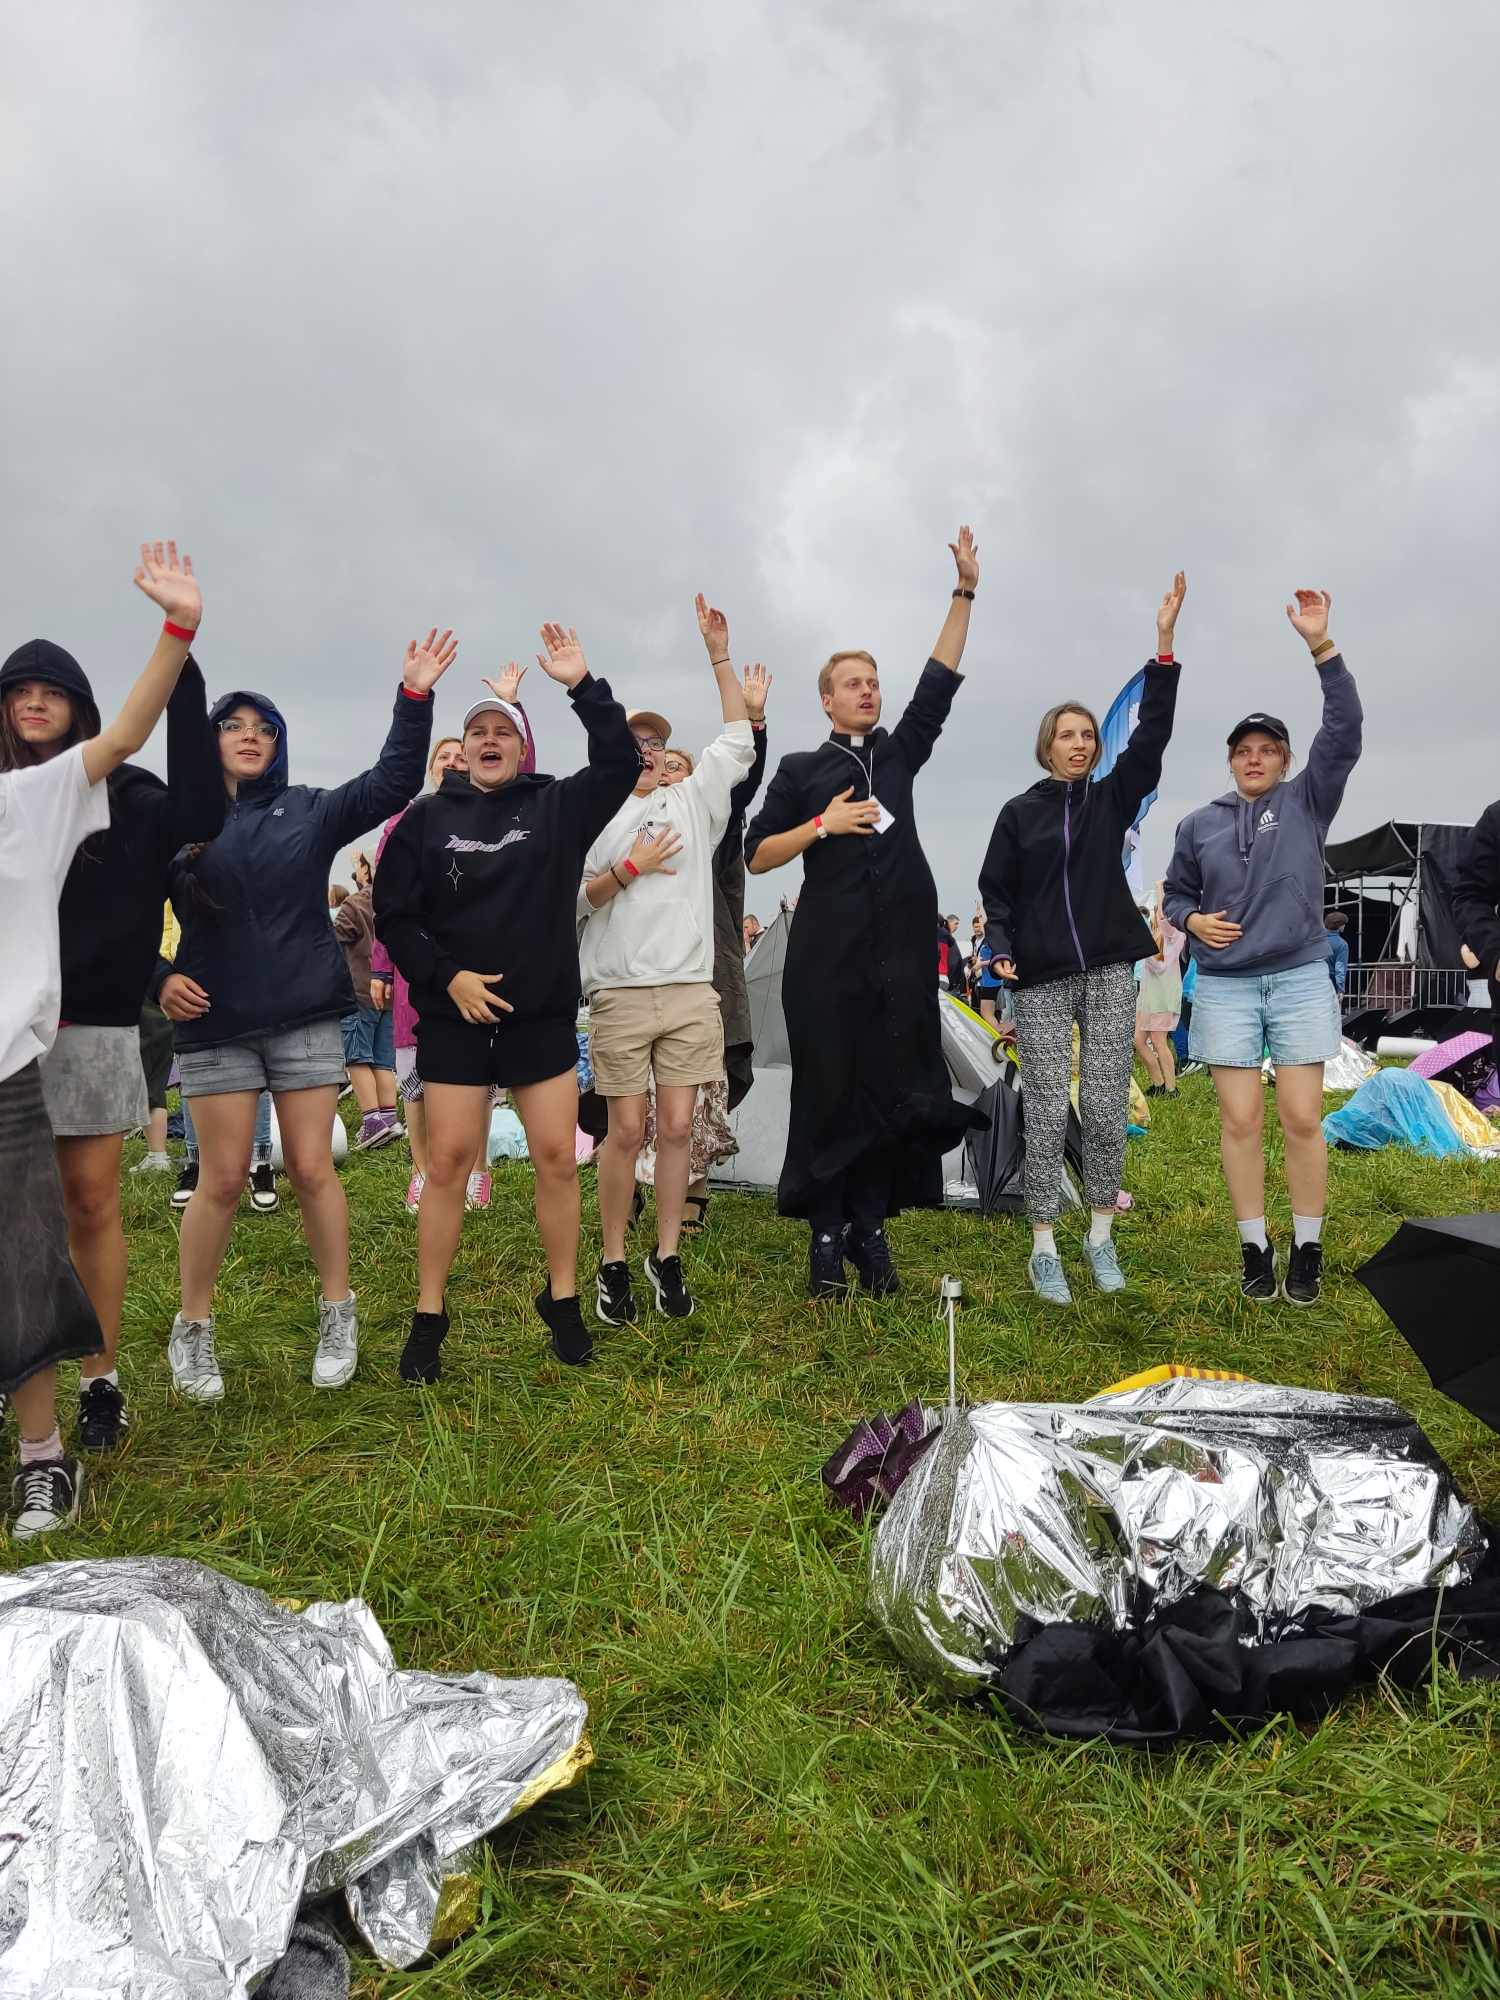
(977,1061)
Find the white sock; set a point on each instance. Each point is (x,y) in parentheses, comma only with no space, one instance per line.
(41,1451)
(1101,1225)
(110,1375)
(1253,1231)
(1043,1242)
(1307,1228)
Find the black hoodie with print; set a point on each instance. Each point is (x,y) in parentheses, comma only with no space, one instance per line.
(474,881)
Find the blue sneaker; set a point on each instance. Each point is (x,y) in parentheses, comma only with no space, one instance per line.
(1047,1281)
(1104,1262)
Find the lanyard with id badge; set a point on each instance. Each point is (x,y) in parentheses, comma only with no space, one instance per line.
(886,819)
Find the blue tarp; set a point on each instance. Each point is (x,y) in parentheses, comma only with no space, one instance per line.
(1394,1107)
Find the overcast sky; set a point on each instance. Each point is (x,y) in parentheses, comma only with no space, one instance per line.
(483,315)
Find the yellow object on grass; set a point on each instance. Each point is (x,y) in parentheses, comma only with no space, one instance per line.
(1470,1124)
(1170,1371)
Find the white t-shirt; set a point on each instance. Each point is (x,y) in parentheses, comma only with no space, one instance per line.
(45,811)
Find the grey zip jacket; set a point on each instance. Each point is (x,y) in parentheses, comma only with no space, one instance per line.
(1260,861)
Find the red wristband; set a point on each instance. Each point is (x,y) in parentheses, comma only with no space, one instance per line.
(1166,660)
(817,822)
(628,864)
(180,631)
(416,694)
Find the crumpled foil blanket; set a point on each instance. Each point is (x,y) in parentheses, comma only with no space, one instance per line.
(182,1762)
(1284,1499)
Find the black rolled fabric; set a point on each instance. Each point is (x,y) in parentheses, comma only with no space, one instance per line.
(45,1315)
(1190,1674)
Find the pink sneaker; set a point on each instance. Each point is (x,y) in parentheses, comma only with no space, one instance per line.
(478,1193)
(414,1191)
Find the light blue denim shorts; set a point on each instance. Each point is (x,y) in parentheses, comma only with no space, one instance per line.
(297,1059)
(1239,1018)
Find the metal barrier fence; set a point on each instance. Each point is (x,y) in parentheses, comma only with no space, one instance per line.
(1395,985)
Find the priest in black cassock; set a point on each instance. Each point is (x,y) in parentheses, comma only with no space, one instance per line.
(872,1112)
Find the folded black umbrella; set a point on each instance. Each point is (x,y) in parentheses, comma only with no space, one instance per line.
(1438,1280)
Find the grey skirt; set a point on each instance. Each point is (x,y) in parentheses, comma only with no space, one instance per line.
(93,1082)
(45,1315)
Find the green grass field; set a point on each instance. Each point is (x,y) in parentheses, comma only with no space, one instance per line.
(777,1807)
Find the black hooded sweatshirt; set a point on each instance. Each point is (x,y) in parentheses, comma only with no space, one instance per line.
(474,881)
(1056,900)
(110,913)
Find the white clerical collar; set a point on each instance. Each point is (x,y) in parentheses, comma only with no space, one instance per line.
(856,742)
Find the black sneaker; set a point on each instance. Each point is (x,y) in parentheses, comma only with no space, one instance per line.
(567,1336)
(263,1195)
(1258,1280)
(187,1182)
(825,1266)
(614,1299)
(44,1497)
(421,1358)
(871,1257)
(1303,1283)
(672,1295)
(102,1421)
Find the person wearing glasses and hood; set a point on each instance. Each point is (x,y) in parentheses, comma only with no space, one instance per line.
(110,920)
(474,901)
(1246,884)
(258,990)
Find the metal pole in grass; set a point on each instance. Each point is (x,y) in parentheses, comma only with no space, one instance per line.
(950,1291)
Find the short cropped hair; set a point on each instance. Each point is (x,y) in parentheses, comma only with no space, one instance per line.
(1047,731)
(1335,920)
(825,672)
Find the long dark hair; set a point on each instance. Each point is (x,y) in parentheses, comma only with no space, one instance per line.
(18,756)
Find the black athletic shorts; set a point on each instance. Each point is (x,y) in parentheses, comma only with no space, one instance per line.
(509,1054)
(156,1054)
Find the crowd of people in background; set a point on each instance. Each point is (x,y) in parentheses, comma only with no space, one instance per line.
(190,923)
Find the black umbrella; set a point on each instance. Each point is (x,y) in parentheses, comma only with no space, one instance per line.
(1439,1280)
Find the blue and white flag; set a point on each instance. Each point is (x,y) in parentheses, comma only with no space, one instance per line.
(1114,734)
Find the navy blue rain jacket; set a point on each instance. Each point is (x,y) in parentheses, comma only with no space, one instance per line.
(253,904)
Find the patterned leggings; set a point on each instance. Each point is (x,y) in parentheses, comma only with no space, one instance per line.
(1103,1004)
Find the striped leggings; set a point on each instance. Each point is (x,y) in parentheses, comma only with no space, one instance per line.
(1103,1004)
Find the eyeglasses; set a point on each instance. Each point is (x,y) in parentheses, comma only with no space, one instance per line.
(650,743)
(233,726)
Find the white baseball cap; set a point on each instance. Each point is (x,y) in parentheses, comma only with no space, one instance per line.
(493,705)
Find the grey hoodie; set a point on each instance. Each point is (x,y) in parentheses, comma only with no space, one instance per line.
(1261,860)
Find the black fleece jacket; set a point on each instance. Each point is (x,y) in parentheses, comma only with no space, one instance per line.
(1056,900)
(110,914)
(474,881)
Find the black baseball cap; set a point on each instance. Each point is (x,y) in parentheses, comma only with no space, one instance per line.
(1272,725)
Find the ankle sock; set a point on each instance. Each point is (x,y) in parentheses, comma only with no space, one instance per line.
(1253,1231)
(1307,1229)
(1043,1242)
(1101,1226)
(110,1375)
(42,1451)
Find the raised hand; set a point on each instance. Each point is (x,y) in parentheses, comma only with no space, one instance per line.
(966,556)
(563,659)
(471,995)
(1167,610)
(170,583)
(425,665)
(757,685)
(181,998)
(1214,928)
(1310,615)
(847,814)
(715,629)
(652,851)
(506,686)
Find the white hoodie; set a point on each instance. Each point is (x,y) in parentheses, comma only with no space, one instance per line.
(660,931)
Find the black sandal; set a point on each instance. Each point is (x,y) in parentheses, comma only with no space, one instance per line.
(695,1225)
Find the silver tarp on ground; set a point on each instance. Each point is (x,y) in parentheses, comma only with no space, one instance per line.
(1284,1499)
(181,1762)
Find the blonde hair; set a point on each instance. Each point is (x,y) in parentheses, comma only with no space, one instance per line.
(686,756)
(1046,733)
(442,744)
(825,672)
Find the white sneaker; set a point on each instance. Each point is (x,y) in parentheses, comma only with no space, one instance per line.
(195,1366)
(154,1163)
(338,1344)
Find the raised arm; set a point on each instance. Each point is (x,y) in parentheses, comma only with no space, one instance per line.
(595,794)
(171,585)
(195,799)
(1335,749)
(715,629)
(915,736)
(949,649)
(1137,770)
(396,776)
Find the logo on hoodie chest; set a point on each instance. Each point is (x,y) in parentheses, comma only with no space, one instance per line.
(1267,822)
(456,846)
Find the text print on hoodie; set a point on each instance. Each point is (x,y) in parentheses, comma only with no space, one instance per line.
(1260,861)
(660,931)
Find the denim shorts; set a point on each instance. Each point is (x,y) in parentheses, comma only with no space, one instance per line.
(370,1038)
(1239,1018)
(304,1058)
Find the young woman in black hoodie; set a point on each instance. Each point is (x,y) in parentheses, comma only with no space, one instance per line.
(484,872)
(1064,928)
(109,920)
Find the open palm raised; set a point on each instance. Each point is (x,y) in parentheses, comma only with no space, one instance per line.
(170,583)
(425,665)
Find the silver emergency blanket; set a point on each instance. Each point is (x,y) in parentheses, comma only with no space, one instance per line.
(182,1763)
(1096,1512)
